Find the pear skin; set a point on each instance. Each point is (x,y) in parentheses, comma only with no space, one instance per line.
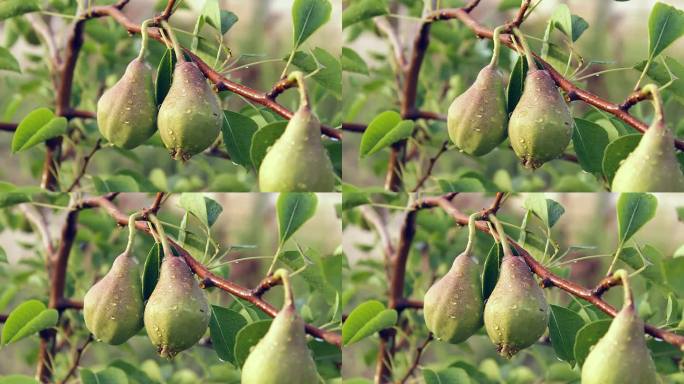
(190,117)
(177,312)
(298,162)
(621,355)
(453,305)
(516,314)
(127,112)
(652,166)
(540,127)
(282,355)
(113,307)
(477,118)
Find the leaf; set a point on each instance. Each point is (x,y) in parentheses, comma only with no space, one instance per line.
(263,139)
(164,75)
(665,25)
(311,272)
(384,130)
(307,17)
(563,327)
(589,140)
(237,132)
(634,210)
(109,375)
(248,337)
(448,375)
(293,210)
(490,270)
(117,183)
(366,319)
(328,72)
(359,10)
(223,327)
(7,61)
(353,62)
(212,14)
(228,19)
(151,270)
(617,151)
(587,336)
(38,126)
(203,208)
(26,319)
(516,83)
(463,184)
(12,8)
(7,295)
(547,210)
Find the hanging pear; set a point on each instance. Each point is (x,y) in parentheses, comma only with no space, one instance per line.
(653,165)
(516,314)
(621,355)
(540,127)
(477,118)
(282,356)
(190,117)
(453,305)
(113,307)
(177,313)
(127,112)
(298,162)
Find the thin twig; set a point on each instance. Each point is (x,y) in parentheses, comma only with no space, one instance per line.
(84,167)
(416,359)
(431,165)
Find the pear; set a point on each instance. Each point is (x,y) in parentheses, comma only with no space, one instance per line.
(281,356)
(540,127)
(477,118)
(127,112)
(190,117)
(652,166)
(298,162)
(516,314)
(113,307)
(453,305)
(177,313)
(621,355)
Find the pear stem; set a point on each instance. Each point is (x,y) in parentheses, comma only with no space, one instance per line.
(526,48)
(131,232)
(657,101)
(502,236)
(497,46)
(471,233)
(285,278)
(176,46)
(162,235)
(145,38)
(624,276)
(299,78)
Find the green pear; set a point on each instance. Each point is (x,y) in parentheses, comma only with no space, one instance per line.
(127,112)
(621,355)
(190,117)
(516,314)
(177,312)
(477,118)
(540,127)
(453,305)
(298,162)
(113,307)
(281,356)
(652,166)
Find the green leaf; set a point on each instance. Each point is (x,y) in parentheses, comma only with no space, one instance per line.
(359,10)
(547,210)
(164,75)
(448,375)
(490,270)
(223,327)
(617,151)
(563,327)
(634,210)
(109,375)
(7,61)
(328,72)
(238,131)
(579,25)
(263,139)
(353,62)
(248,337)
(7,295)
(665,25)
(212,14)
(228,19)
(366,319)
(516,83)
(293,210)
(589,140)
(206,210)
(116,183)
(462,184)
(18,379)
(137,375)
(384,130)
(307,17)
(26,319)
(151,270)
(11,8)
(587,336)
(311,272)
(38,126)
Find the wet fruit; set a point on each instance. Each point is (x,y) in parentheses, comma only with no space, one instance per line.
(281,356)
(516,314)
(113,307)
(177,313)
(477,118)
(621,355)
(127,112)
(653,165)
(298,162)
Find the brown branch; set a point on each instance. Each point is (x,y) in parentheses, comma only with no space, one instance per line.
(206,275)
(84,167)
(519,17)
(494,208)
(385,27)
(470,6)
(416,359)
(78,353)
(431,165)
